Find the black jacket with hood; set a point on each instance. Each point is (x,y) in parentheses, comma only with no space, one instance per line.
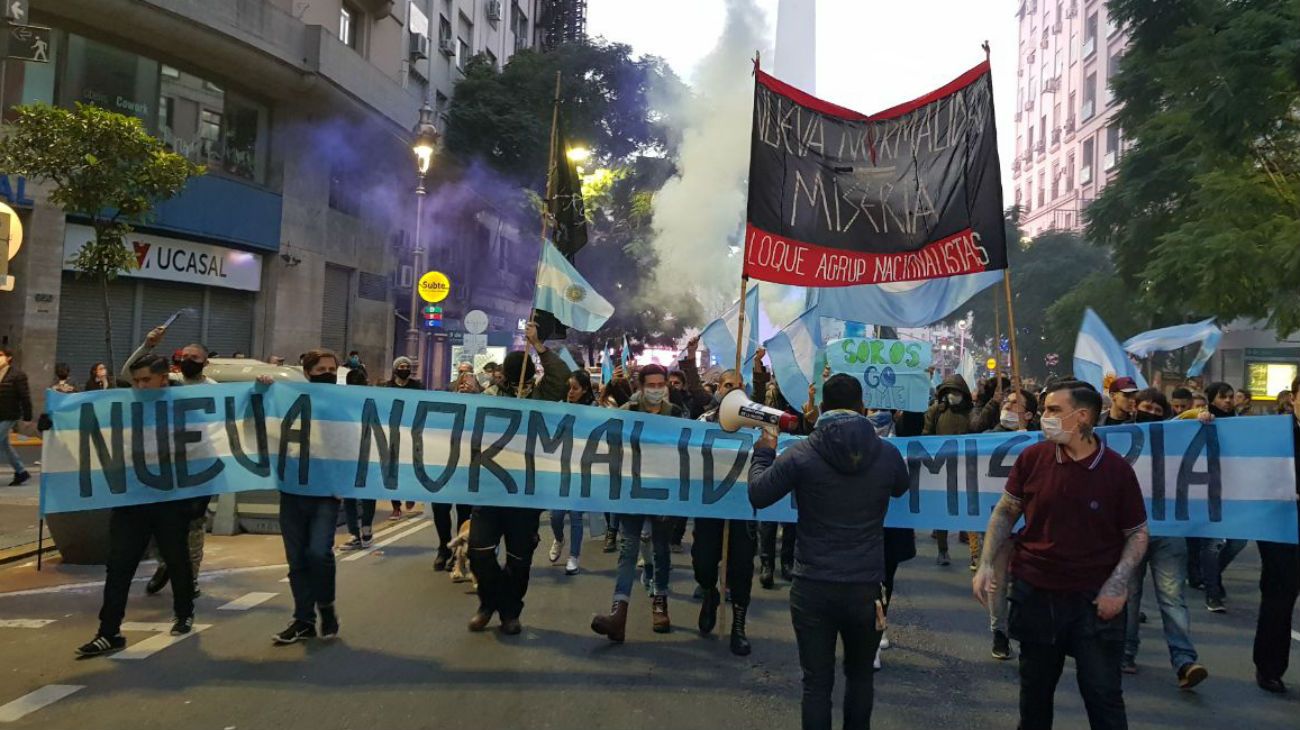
(843,477)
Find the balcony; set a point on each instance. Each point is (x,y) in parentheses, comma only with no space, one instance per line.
(1056,136)
(1040,148)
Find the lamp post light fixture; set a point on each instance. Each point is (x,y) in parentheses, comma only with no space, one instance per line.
(425,147)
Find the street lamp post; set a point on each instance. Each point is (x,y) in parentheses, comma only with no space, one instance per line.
(426,141)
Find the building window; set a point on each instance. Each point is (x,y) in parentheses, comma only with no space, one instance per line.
(1112,148)
(1090,36)
(444,28)
(112,79)
(1089,97)
(462,53)
(1069,172)
(210,126)
(1112,67)
(348,26)
(1029,195)
(1070,111)
(1111,26)
(491,58)
(1042,189)
(1085,169)
(1056,180)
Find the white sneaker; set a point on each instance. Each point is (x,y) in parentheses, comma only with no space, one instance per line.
(876,664)
(556,547)
(884,641)
(571,567)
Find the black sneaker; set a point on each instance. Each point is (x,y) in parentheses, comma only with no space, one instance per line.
(767,576)
(182,626)
(1001,646)
(296,631)
(101,645)
(329,622)
(787,571)
(20,479)
(1191,674)
(157,581)
(1215,605)
(351,545)
(440,562)
(1128,665)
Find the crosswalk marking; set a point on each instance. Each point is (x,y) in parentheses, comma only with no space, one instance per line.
(247,601)
(140,626)
(24,623)
(155,644)
(33,701)
(361,554)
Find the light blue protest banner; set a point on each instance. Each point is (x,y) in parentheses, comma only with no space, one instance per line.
(893,372)
(1233,478)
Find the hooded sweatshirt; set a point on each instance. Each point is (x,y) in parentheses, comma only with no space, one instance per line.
(842,477)
(945,419)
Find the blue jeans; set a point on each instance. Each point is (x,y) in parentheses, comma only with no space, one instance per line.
(661,531)
(307,526)
(1216,555)
(575,530)
(7,449)
(1167,557)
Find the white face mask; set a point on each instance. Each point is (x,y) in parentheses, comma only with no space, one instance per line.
(654,396)
(1053,431)
(954,399)
(1010,420)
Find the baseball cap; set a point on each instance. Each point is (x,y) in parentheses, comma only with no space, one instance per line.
(1123,385)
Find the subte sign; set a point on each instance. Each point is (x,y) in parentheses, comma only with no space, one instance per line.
(434,287)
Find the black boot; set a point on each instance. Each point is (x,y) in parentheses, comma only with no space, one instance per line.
(739,643)
(767,575)
(709,610)
(786,574)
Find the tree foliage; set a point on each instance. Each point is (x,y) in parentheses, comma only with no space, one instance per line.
(618,106)
(1204,217)
(100,164)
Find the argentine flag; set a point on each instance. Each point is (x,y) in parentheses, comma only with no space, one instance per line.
(1173,338)
(905,303)
(793,352)
(1097,354)
(720,334)
(563,292)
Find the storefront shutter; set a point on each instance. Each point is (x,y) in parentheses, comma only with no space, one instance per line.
(230,321)
(161,300)
(81,323)
(334,309)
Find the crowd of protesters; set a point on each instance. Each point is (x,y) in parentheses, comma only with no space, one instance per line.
(1057,586)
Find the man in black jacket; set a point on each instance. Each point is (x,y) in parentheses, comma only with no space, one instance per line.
(15,406)
(843,477)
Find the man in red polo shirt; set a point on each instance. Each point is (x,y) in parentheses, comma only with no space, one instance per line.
(1085,533)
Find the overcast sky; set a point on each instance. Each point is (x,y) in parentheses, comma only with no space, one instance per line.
(871,54)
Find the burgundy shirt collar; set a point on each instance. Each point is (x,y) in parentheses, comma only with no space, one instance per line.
(1062,458)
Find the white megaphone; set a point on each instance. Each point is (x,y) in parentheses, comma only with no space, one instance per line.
(738,411)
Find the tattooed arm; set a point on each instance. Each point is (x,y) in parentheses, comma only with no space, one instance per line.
(1114,594)
(996,540)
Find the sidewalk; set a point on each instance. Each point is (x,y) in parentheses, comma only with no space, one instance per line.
(19,505)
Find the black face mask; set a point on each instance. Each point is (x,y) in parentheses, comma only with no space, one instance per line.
(1220,413)
(324,378)
(1144,417)
(191,369)
(402,374)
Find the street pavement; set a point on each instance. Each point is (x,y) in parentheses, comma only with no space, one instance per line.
(404,658)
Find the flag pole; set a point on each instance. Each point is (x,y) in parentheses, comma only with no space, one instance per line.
(546,201)
(1006,286)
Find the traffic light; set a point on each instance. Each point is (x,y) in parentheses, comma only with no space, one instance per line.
(432,316)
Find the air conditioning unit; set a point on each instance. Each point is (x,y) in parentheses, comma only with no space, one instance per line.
(1072,10)
(419,46)
(1052,85)
(1056,27)
(1108,161)
(1056,136)
(447,46)
(1046,41)
(1029,105)
(1019,116)
(1069,125)
(494,10)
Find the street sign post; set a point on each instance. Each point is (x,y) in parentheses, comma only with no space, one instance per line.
(27,43)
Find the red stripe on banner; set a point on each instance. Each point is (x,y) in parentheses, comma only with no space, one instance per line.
(770,257)
(825,107)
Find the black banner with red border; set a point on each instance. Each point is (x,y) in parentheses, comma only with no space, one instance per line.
(838,198)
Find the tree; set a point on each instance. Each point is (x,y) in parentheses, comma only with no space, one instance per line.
(618,106)
(102,165)
(1041,269)
(1205,213)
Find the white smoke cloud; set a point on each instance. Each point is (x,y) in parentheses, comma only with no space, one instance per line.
(699,214)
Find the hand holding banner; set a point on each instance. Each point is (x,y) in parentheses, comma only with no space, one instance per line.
(893,372)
